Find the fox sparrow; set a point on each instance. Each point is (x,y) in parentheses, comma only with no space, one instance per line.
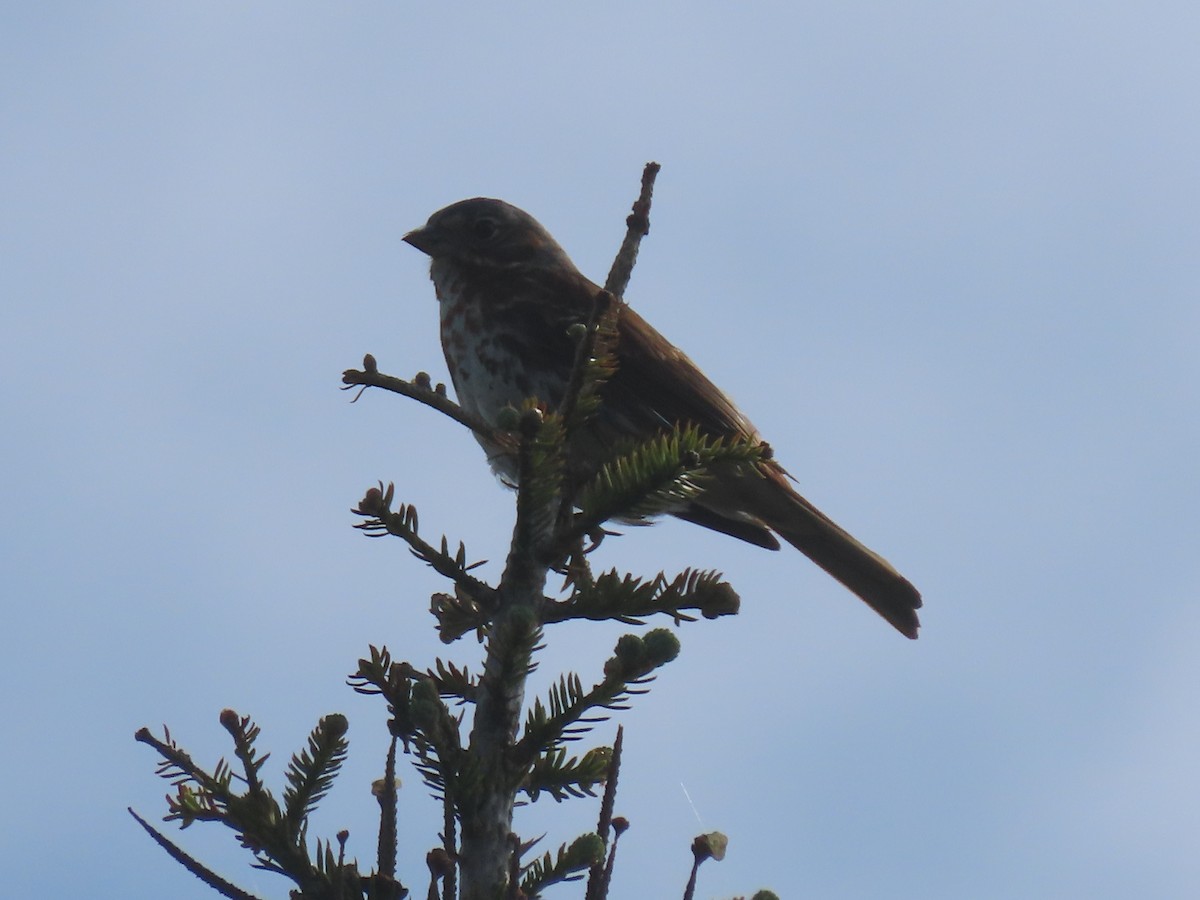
(508,295)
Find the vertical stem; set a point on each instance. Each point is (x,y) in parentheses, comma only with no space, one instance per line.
(494,777)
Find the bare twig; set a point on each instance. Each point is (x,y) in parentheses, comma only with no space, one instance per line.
(419,389)
(376,507)
(637,227)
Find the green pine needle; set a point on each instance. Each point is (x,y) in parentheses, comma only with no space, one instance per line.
(561,777)
(657,476)
(569,864)
(311,772)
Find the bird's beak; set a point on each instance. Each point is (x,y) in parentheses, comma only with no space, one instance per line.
(422,240)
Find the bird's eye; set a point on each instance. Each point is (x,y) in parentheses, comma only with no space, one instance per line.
(484,229)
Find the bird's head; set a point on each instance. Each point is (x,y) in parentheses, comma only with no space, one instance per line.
(489,234)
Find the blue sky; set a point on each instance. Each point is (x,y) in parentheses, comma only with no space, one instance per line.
(944,255)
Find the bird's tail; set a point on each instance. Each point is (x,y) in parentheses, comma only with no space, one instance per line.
(859,568)
(776,505)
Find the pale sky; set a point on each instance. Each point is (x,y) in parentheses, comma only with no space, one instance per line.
(944,255)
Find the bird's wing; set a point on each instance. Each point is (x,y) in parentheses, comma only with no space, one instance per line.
(656,386)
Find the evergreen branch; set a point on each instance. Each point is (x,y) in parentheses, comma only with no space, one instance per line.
(311,772)
(436,741)
(419,389)
(244,733)
(205,874)
(655,477)
(566,717)
(568,864)
(451,681)
(457,614)
(403,523)
(611,596)
(561,778)
(179,768)
(421,721)
(631,600)
(263,831)
(379,675)
(275,841)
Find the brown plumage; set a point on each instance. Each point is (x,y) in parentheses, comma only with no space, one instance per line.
(508,293)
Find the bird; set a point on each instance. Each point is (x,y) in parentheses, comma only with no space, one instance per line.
(508,295)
